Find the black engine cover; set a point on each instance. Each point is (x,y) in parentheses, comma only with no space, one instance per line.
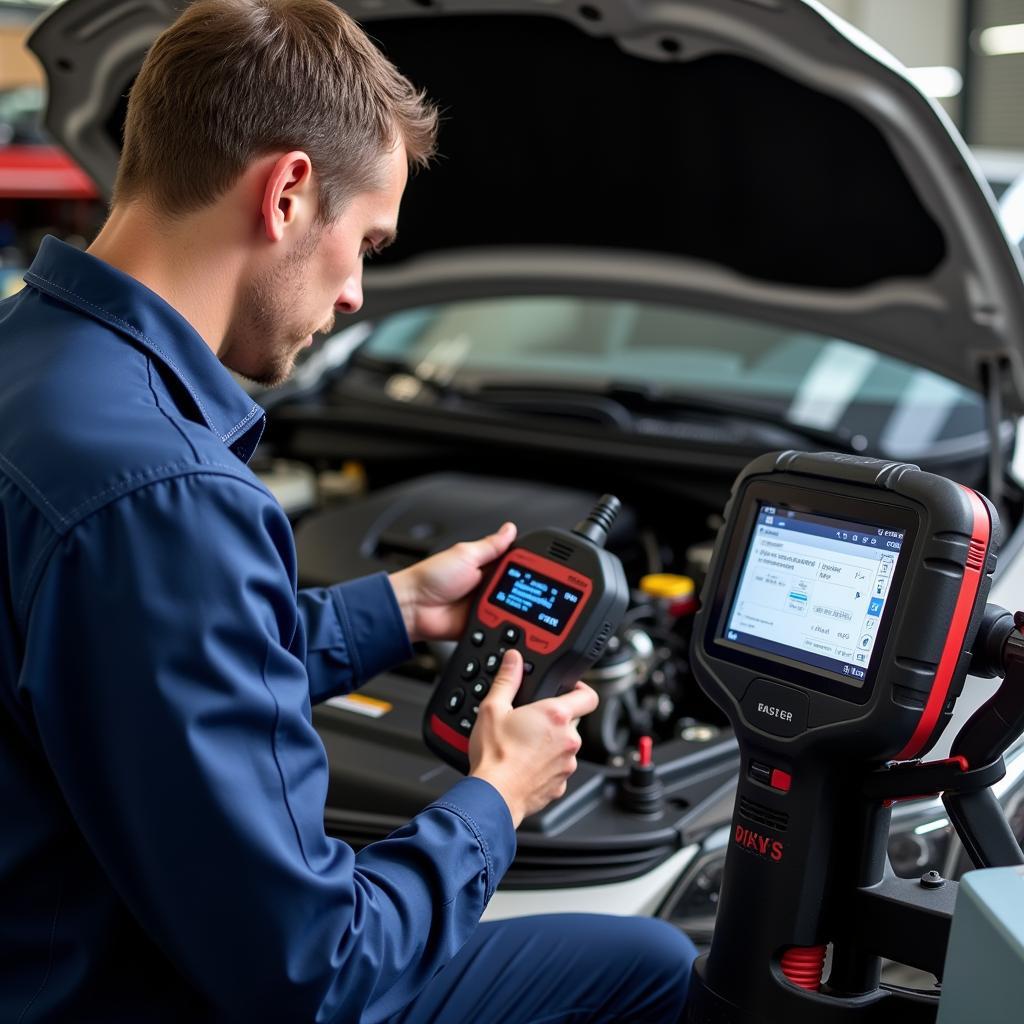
(399,525)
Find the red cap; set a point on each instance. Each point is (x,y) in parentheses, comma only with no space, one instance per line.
(644,747)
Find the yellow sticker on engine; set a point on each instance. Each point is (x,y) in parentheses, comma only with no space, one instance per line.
(361,704)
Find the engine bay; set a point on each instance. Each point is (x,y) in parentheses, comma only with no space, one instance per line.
(381,771)
(643,677)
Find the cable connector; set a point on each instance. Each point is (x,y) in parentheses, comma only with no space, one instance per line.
(599,522)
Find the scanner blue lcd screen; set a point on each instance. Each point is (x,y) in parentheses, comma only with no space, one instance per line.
(813,589)
(534,597)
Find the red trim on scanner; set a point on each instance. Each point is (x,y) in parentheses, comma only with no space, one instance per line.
(42,172)
(449,735)
(973,569)
(537,639)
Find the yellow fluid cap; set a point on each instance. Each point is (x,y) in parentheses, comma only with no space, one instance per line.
(354,470)
(667,585)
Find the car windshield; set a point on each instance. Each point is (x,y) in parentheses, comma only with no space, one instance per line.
(808,380)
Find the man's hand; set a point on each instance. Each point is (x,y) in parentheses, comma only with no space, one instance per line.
(434,594)
(527,753)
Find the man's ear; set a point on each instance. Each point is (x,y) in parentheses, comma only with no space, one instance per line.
(288,193)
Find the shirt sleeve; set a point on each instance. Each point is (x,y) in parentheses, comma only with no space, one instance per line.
(353,631)
(164,668)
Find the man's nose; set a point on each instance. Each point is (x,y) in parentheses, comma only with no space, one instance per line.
(351,298)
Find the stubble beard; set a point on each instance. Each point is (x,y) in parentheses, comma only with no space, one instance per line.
(270,319)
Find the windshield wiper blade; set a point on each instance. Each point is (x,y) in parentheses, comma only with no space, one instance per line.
(629,406)
(648,400)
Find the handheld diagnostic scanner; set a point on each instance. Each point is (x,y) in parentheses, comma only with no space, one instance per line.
(835,632)
(556,596)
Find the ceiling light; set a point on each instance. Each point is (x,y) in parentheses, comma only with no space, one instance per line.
(1001,39)
(938,82)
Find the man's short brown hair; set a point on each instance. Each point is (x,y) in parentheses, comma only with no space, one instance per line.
(233,80)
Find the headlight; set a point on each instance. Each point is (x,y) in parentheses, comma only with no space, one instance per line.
(922,839)
(1010,792)
(1015,815)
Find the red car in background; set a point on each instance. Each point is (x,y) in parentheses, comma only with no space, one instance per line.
(42,190)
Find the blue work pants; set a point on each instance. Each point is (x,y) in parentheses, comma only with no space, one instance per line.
(562,969)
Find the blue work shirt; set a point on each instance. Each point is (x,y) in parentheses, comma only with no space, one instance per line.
(162,847)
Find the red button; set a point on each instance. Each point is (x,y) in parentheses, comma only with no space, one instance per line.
(781,780)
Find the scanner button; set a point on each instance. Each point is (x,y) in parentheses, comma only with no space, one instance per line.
(760,772)
(777,709)
(527,668)
(510,635)
(466,725)
(781,780)
(480,688)
(491,663)
(477,637)
(470,669)
(455,699)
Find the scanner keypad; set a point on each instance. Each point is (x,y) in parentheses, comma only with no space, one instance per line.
(463,703)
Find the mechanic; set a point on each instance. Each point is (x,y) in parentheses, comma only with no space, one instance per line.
(163,854)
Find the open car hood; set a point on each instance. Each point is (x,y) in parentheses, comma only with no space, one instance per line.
(759,157)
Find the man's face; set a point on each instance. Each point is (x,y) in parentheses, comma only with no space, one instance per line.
(283,304)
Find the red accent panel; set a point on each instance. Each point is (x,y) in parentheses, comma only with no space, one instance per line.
(957,759)
(803,965)
(42,172)
(537,639)
(781,780)
(449,735)
(980,534)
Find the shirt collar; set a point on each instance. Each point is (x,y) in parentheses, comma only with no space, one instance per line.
(114,298)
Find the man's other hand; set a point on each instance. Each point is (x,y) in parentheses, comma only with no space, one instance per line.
(527,753)
(434,594)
